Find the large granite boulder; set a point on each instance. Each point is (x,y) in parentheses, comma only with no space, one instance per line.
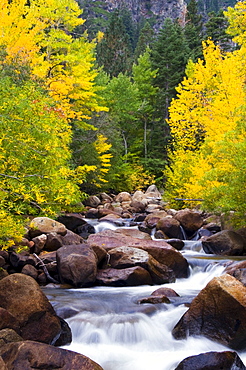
(226,243)
(77,265)
(29,355)
(170,227)
(132,276)
(190,220)
(72,220)
(45,225)
(22,297)
(160,250)
(218,312)
(124,257)
(227,360)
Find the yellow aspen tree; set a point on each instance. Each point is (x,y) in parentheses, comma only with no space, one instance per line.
(208,106)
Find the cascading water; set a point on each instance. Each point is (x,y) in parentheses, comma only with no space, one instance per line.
(111,327)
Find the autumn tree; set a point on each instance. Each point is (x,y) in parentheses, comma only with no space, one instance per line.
(207,122)
(47,85)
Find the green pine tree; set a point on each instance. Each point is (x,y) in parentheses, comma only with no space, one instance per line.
(193,30)
(216,30)
(114,51)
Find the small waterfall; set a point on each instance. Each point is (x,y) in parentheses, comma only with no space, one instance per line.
(113,329)
(117,332)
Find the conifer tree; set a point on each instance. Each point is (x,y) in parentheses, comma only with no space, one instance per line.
(193,30)
(114,50)
(169,55)
(145,39)
(216,30)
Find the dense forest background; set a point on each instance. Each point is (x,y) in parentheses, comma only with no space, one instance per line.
(96,97)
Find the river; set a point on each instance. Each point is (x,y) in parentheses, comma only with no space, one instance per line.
(113,329)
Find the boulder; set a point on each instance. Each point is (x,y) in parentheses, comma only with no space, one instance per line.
(160,250)
(71,220)
(22,297)
(45,225)
(152,192)
(132,276)
(226,243)
(53,242)
(218,312)
(124,257)
(190,220)
(123,197)
(160,295)
(77,265)
(168,292)
(72,238)
(139,196)
(135,233)
(152,219)
(39,243)
(7,320)
(9,335)
(84,231)
(137,206)
(30,271)
(18,260)
(154,299)
(238,270)
(227,360)
(93,201)
(170,227)
(30,355)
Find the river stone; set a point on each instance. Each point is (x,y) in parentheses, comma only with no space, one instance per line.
(160,250)
(18,260)
(93,201)
(226,243)
(137,206)
(218,312)
(30,271)
(72,238)
(53,242)
(152,219)
(138,196)
(170,227)
(168,292)
(71,220)
(9,335)
(45,225)
(29,355)
(154,299)
(77,265)
(132,276)
(39,243)
(153,192)
(123,197)
(227,360)
(7,320)
(134,233)
(22,297)
(124,257)
(190,220)
(238,270)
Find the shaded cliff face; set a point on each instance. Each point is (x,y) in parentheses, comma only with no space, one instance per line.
(160,9)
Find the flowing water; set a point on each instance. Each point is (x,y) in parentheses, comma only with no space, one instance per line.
(113,329)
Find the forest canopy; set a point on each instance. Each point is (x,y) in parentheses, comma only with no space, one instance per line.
(72,122)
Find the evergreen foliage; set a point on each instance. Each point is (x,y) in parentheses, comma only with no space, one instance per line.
(216,27)
(114,51)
